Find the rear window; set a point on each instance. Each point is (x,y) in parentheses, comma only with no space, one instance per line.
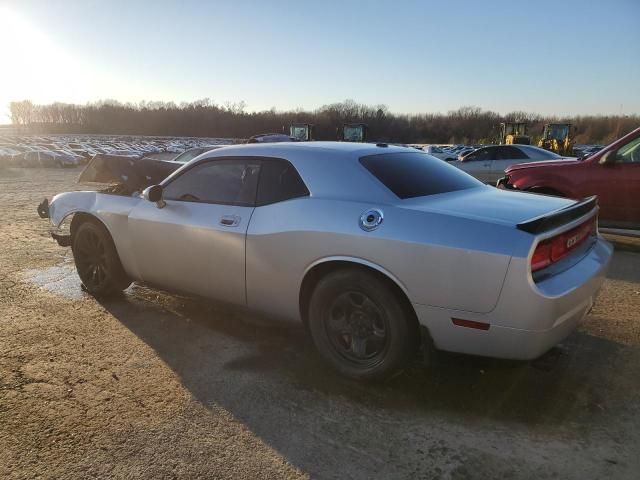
(414,174)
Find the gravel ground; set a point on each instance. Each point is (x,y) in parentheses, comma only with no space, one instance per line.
(153,385)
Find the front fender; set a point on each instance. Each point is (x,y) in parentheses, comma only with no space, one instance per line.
(65,204)
(558,184)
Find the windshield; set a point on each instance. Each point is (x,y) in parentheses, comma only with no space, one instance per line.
(300,133)
(189,155)
(559,132)
(353,133)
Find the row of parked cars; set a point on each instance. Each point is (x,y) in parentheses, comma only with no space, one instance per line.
(71,151)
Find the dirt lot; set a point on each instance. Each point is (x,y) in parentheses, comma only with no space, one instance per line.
(159,386)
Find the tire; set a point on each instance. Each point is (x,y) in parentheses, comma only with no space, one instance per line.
(97,260)
(360,326)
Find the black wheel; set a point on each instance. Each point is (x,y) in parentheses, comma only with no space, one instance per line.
(360,326)
(97,261)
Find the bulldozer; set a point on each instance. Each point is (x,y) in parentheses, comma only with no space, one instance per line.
(354,132)
(558,138)
(514,133)
(302,132)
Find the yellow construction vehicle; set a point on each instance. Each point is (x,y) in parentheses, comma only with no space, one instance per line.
(558,138)
(514,133)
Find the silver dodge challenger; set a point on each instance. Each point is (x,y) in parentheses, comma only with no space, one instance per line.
(380,251)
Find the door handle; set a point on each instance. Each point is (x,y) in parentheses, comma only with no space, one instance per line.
(230,221)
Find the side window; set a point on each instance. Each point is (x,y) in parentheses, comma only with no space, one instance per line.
(279,181)
(227,182)
(629,153)
(482,154)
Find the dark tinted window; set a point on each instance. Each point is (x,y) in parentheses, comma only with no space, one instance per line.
(279,181)
(535,153)
(412,174)
(511,153)
(481,154)
(229,182)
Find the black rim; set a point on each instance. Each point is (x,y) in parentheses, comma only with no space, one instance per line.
(357,328)
(91,259)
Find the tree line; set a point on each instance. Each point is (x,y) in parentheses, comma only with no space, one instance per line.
(204,118)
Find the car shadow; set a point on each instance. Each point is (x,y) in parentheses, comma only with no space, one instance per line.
(206,344)
(271,379)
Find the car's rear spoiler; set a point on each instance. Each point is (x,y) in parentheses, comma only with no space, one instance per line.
(560,217)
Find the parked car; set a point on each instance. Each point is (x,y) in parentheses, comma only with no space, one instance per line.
(488,163)
(368,245)
(613,174)
(46,159)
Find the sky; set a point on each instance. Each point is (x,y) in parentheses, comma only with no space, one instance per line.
(547,56)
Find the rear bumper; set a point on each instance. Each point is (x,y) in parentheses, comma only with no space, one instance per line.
(529,318)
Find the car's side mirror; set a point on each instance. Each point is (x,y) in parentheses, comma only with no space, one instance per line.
(608,158)
(154,194)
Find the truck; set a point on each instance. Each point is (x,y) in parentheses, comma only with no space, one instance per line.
(613,174)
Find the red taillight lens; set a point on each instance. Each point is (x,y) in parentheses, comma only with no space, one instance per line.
(542,256)
(553,249)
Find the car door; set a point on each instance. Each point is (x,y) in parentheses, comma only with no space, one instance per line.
(478,163)
(272,238)
(194,240)
(619,191)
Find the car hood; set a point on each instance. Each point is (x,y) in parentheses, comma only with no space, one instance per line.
(490,204)
(545,163)
(133,174)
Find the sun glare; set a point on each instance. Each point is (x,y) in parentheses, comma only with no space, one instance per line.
(35,68)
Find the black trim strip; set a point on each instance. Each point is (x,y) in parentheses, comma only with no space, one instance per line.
(558,218)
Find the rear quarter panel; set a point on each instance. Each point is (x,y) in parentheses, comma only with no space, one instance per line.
(438,260)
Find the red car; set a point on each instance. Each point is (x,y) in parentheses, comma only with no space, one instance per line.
(613,174)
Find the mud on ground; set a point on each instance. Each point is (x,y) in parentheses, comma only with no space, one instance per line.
(153,385)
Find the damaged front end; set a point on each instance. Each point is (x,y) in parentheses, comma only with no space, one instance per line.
(125,175)
(115,175)
(59,233)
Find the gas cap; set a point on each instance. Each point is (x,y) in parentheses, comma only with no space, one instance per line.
(371,219)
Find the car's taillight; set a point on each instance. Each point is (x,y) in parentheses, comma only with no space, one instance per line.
(553,249)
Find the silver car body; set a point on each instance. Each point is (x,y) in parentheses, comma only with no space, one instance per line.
(455,255)
(490,168)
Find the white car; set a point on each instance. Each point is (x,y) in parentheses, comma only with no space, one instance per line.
(488,164)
